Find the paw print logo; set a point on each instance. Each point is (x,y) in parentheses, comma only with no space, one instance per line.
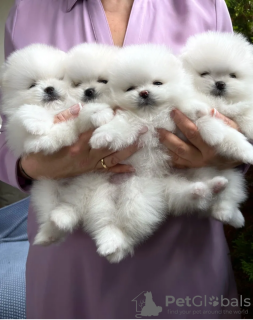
(214,301)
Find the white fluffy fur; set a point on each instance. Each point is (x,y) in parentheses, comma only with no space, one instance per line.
(30,112)
(212,58)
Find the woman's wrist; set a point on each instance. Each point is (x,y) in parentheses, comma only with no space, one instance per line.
(22,172)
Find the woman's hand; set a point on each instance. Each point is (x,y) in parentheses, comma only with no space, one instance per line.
(197,153)
(76,159)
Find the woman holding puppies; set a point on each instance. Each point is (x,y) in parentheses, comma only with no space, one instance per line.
(186,257)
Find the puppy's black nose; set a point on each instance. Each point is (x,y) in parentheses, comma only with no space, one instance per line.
(49,90)
(89,92)
(144,94)
(220,85)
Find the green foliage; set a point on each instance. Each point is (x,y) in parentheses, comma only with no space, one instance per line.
(241,12)
(247,267)
(243,252)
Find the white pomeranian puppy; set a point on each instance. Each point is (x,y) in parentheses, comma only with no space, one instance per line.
(86,72)
(34,89)
(147,83)
(221,65)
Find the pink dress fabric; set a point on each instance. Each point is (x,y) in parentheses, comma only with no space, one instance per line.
(186,256)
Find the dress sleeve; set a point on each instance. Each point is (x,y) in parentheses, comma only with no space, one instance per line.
(8,162)
(223,20)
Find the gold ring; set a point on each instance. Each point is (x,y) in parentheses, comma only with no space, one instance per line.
(103,163)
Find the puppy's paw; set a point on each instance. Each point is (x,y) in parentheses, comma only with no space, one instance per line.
(102,117)
(35,119)
(42,143)
(37,126)
(112,244)
(201,196)
(201,109)
(237,219)
(44,239)
(33,145)
(48,234)
(211,130)
(247,156)
(201,113)
(64,218)
(100,140)
(222,213)
(247,130)
(119,255)
(200,191)
(217,184)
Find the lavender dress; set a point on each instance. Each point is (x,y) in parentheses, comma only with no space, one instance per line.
(186,256)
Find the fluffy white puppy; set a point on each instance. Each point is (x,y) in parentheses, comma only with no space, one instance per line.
(86,72)
(33,91)
(147,83)
(221,65)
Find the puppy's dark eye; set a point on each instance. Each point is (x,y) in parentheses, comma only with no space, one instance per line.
(232,75)
(204,74)
(130,89)
(76,84)
(102,81)
(157,83)
(32,85)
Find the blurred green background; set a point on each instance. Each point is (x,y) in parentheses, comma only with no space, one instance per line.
(241,12)
(241,241)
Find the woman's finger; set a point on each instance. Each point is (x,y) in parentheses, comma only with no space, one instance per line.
(189,129)
(179,147)
(215,113)
(122,168)
(82,145)
(178,162)
(68,114)
(111,160)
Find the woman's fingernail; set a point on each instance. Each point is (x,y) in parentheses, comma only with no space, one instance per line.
(215,113)
(74,110)
(172,114)
(131,169)
(144,129)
